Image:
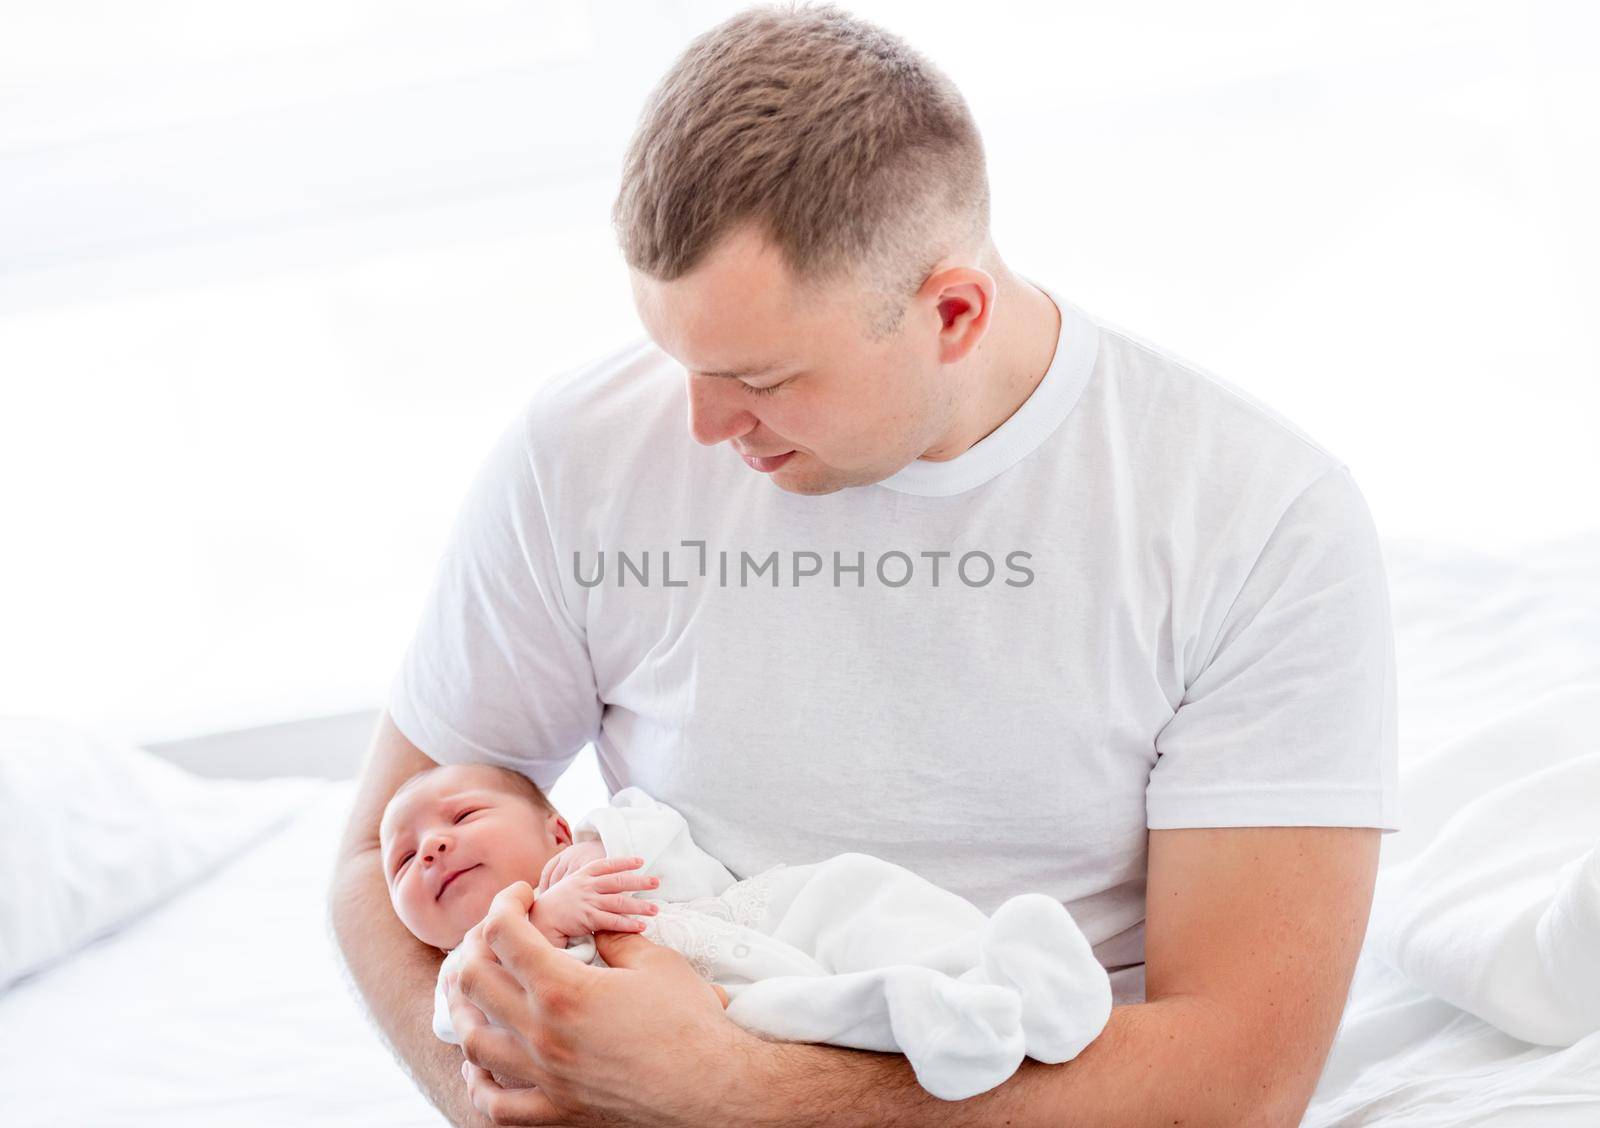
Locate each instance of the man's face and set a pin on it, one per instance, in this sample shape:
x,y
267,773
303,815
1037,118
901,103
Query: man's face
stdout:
x,y
852,411
455,838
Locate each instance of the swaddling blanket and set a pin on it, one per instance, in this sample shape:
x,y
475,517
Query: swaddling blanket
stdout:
x,y
858,952
1495,905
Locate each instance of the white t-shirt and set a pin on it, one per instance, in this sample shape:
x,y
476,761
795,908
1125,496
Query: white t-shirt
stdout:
x,y
1162,606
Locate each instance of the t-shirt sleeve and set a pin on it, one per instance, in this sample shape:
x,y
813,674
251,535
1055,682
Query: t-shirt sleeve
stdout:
x,y
1291,720
498,669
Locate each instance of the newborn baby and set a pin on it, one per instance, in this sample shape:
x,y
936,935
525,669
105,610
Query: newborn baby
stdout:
x,y
852,951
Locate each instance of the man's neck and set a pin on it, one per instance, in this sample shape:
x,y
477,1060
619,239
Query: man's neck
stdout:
x,y
1010,361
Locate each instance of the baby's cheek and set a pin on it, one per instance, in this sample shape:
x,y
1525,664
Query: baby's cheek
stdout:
x,y
419,913
471,909
415,924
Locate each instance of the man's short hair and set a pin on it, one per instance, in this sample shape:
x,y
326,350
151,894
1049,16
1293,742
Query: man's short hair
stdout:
x,y
853,154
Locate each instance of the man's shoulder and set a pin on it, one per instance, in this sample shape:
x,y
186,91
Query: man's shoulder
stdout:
x,y
1182,420
609,440
635,390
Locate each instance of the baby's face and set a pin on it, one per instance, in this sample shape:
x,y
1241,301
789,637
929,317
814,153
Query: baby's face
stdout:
x,y
456,837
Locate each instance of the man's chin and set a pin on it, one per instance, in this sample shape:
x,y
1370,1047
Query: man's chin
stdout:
x,y
807,488
815,485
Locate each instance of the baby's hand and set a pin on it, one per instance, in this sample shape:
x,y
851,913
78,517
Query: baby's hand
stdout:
x,y
592,899
568,860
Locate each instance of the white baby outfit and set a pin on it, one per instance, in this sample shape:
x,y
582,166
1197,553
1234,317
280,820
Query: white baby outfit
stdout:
x,y
855,951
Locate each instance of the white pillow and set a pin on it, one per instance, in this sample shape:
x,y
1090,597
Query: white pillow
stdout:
x,y
94,831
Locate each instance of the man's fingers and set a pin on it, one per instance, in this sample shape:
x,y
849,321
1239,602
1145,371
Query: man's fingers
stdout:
x,y
464,1017
490,988
525,951
495,1048
628,949
508,1106
515,898
499,1079
509,912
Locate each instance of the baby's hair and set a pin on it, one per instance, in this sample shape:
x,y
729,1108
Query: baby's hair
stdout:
x,y
514,781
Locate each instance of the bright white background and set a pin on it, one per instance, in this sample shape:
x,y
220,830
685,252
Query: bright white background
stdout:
x,y
272,276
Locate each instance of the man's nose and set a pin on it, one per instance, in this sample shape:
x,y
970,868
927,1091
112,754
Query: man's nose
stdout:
x,y
714,416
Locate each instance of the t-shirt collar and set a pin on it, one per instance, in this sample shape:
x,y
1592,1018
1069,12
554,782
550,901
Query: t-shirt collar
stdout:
x,y
1038,417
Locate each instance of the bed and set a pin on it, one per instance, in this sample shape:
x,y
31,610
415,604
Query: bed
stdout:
x,y
223,1001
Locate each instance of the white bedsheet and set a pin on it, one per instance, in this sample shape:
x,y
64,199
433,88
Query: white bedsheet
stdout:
x,y
1486,644
227,1005
1500,912
1408,1059
1484,932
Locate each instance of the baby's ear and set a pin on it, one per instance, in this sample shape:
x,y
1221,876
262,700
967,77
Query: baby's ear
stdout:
x,y
562,832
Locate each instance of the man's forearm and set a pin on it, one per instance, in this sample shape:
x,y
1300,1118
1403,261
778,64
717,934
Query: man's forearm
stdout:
x,y
1166,1062
396,974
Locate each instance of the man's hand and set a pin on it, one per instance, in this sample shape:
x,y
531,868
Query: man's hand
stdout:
x,y
643,1041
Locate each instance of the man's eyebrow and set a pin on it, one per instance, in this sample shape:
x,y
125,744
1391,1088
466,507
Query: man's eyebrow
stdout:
x,y
746,370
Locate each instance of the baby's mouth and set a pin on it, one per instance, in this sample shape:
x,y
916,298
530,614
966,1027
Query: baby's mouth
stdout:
x,y
451,878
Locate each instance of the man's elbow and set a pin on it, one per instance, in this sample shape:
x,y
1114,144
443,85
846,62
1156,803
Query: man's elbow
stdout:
x,y
1251,1073
1277,1076
1250,1100
1281,1108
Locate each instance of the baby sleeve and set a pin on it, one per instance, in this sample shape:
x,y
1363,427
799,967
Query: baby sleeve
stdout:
x,y
636,825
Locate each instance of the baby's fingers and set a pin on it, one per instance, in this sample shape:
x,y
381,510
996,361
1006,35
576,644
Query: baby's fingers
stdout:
x,y
625,882
611,865
611,922
548,878
621,903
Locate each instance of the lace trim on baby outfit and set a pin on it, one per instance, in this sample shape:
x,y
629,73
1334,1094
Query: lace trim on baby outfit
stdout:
x,y
707,929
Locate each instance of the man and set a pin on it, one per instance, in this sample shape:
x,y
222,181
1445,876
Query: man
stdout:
x,y
951,575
